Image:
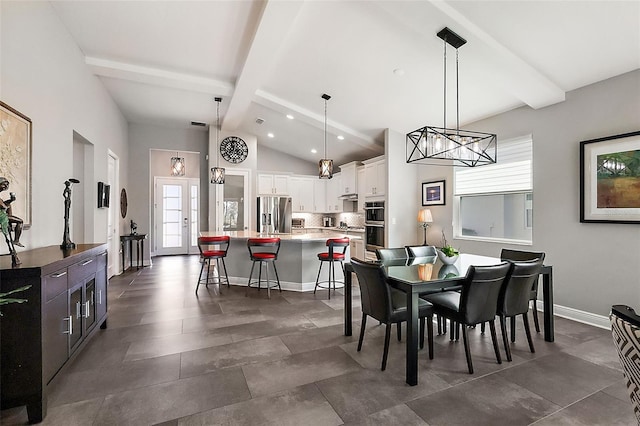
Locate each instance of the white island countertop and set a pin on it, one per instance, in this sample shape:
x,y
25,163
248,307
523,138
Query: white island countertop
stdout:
x,y
308,237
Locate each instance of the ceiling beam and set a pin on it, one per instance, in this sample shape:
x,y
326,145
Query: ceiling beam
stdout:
x,y
158,77
519,77
275,23
311,118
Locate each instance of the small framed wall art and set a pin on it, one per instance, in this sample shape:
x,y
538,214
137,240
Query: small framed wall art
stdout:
x,y
610,179
433,193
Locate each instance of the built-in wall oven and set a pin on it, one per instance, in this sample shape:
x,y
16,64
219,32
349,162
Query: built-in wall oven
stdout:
x,y
374,225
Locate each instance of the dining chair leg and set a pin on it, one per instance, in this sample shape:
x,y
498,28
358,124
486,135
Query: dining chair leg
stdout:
x,y
363,325
399,332
513,329
467,351
387,336
536,322
528,331
444,325
458,325
422,333
494,338
452,326
482,328
430,336
505,340
438,320
318,277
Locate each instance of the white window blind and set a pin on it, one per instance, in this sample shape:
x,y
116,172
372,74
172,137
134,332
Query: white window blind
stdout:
x,y
512,172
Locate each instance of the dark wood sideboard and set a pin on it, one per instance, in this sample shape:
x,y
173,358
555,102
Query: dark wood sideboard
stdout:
x,y
65,304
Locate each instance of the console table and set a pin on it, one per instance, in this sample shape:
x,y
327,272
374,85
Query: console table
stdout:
x,y
139,239
66,303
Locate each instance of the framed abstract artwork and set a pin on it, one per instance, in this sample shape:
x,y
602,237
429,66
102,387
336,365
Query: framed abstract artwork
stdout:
x,y
433,193
610,179
15,160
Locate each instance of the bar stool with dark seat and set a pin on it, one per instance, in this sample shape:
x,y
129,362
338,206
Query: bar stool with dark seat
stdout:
x,y
213,248
332,256
264,251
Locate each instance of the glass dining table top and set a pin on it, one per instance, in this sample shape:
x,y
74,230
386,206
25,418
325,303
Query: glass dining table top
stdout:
x,y
419,270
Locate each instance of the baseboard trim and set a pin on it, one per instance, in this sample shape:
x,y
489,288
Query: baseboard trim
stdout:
x,y
600,321
285,285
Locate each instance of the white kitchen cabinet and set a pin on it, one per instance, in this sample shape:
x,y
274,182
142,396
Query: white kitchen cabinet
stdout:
x,y
349,178
302,194
361,188
270,184
319,195
334,203
375,178
356,249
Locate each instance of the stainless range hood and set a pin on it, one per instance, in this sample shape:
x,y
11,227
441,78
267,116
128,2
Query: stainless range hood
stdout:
x,y
349,197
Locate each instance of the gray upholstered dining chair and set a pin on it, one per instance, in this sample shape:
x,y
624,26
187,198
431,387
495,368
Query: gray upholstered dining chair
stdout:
x,y
514,298
625,326
476,303
521,255
386,254
421,251
387,305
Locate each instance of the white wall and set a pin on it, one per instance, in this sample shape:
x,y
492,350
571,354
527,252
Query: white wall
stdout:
x,y
595,265
43,76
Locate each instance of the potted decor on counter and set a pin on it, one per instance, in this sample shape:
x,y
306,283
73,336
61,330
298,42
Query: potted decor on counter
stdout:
x,y
447,253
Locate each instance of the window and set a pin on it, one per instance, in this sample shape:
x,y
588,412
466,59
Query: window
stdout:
x,y
495,202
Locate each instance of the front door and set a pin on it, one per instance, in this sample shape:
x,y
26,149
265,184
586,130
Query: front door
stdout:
x,y
176,206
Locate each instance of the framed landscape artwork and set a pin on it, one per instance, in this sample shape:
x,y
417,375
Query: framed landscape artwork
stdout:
x,y
433,193
15,160
610,179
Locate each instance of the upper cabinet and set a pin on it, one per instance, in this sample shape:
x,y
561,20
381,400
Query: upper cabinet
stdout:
x,y
375,175
361,188
320,194
303,194
349,176
334,186
270,184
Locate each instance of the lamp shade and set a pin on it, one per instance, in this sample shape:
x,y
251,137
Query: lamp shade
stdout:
x,y
424,216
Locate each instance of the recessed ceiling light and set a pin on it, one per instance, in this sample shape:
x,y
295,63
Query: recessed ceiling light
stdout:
x,y
314,151
270,135
290,117
341,137
398,71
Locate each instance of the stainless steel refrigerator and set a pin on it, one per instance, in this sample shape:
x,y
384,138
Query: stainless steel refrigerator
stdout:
x,y
274,215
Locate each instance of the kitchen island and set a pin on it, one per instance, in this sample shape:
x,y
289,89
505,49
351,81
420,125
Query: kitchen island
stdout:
x,y
297,262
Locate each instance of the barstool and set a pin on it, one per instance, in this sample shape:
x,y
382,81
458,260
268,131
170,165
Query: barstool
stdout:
x,y
332,256
213,248
263,250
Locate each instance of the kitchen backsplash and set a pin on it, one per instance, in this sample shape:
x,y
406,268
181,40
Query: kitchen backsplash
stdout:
x,y
314,220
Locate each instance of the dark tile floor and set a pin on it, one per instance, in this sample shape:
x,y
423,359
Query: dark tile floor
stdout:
x,y
169,357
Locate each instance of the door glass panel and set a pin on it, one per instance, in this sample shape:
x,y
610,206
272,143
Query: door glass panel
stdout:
x,y
233,203
193,226
172,214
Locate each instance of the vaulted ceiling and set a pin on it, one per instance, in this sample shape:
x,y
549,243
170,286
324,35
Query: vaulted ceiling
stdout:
x,y
163,62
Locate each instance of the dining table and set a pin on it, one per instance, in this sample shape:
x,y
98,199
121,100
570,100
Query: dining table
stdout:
x,y
424,275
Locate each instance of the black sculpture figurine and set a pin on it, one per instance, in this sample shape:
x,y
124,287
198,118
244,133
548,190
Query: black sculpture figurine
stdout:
x,y
7,220
66,240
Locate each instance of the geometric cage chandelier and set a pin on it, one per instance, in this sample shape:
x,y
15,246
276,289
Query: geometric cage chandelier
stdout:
x,y
431,145
217,172
177,166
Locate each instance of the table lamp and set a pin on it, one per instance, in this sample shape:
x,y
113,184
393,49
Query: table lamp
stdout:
x,y
425,218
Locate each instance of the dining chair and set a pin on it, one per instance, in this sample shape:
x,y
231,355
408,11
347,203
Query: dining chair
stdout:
x,y
514,298
421,251
388,305
521,255
476,303
387,254
625,327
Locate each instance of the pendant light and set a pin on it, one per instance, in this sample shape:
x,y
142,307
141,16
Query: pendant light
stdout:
x,y
177,166
217,172
428,144
325,166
